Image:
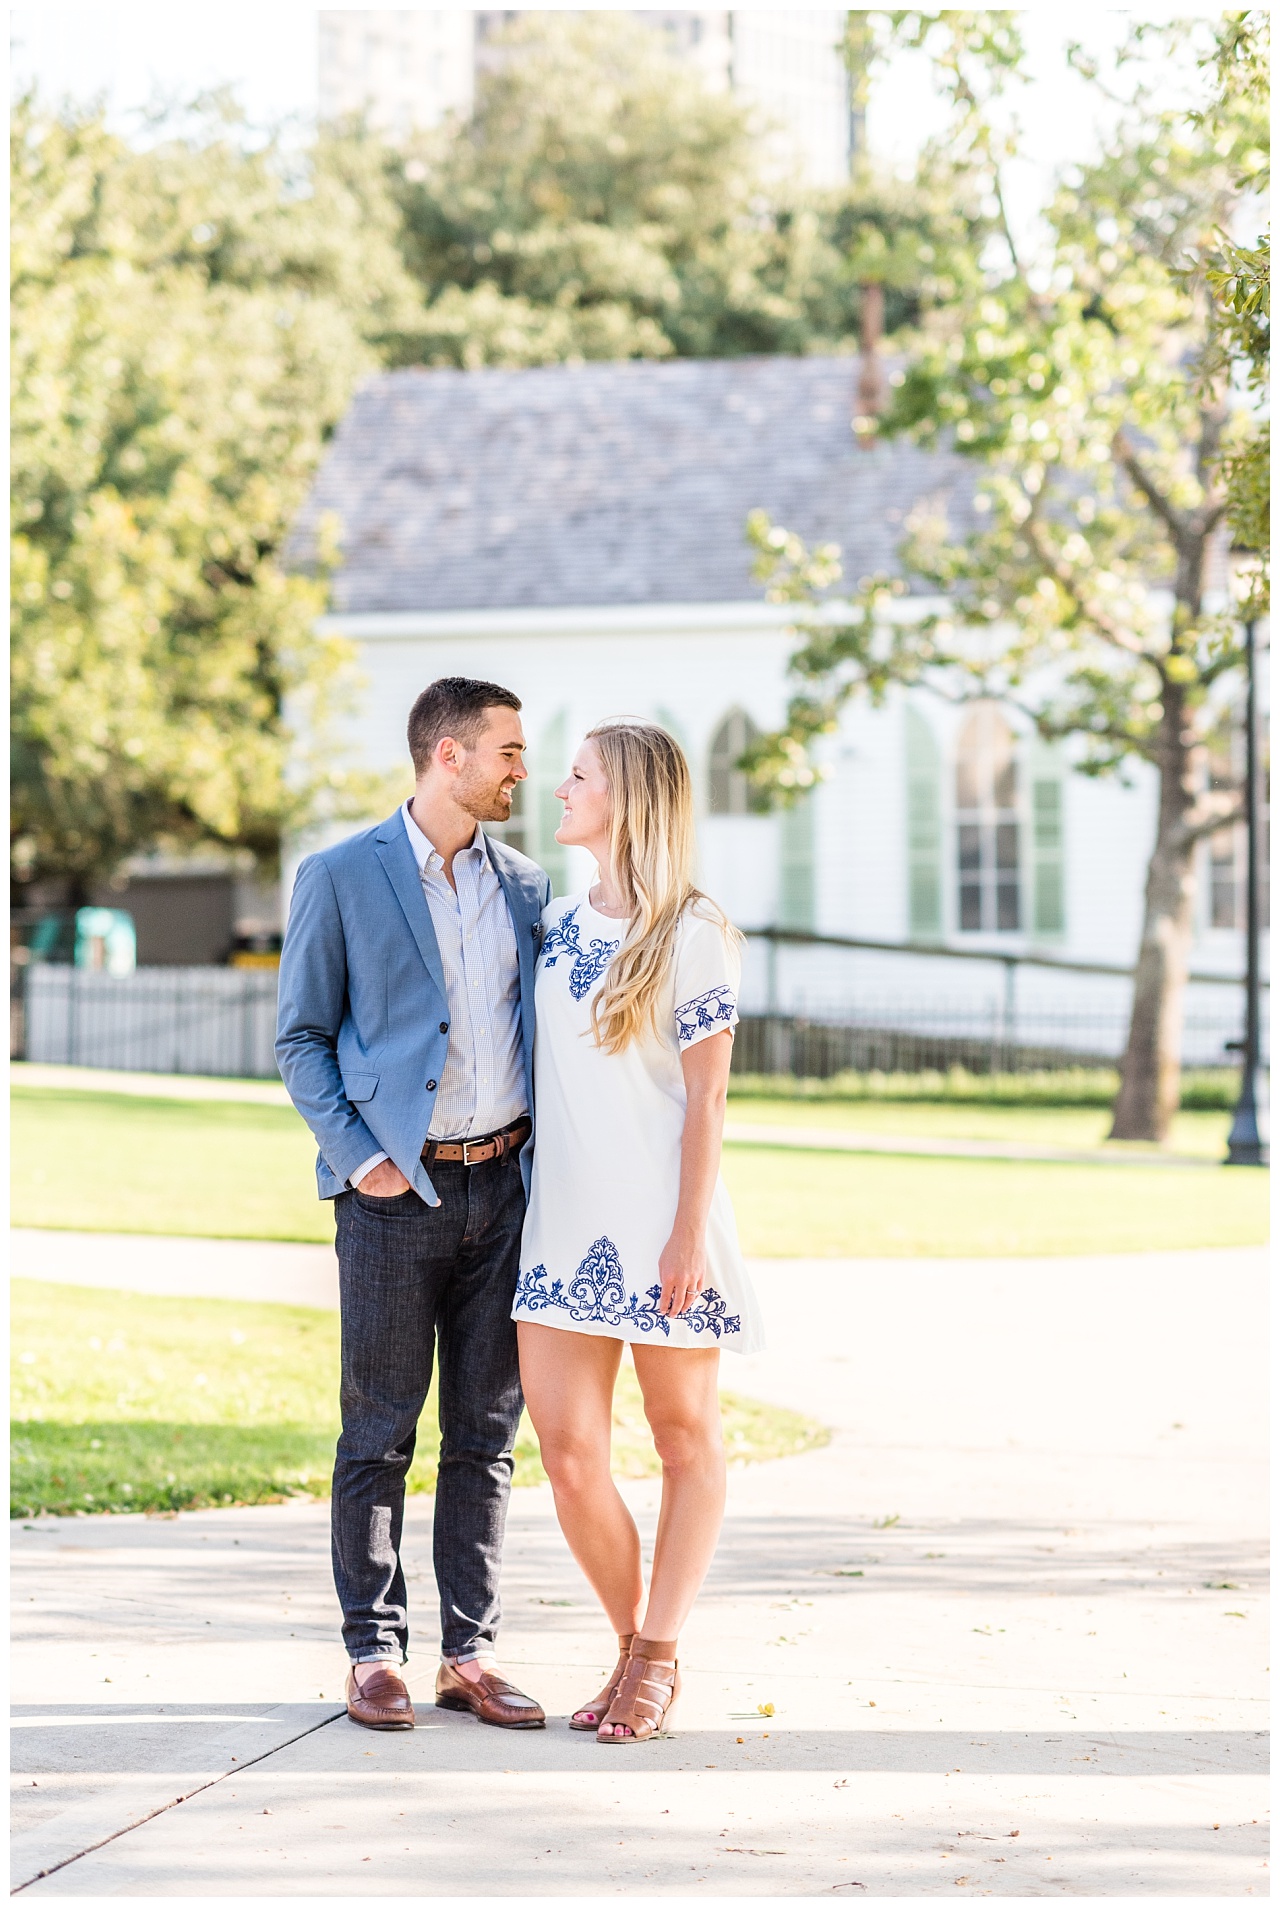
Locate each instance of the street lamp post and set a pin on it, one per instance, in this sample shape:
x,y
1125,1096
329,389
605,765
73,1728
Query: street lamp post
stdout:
x,y
1247,1142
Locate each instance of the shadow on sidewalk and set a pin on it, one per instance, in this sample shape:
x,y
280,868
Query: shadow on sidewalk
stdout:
x,y
89,1739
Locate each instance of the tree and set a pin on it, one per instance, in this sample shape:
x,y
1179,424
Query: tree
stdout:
x,y
1238,282
189,320
1088,388
602,203
191,313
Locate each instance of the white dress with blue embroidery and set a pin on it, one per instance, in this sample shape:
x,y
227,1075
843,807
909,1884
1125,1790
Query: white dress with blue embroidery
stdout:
x,y
606,1162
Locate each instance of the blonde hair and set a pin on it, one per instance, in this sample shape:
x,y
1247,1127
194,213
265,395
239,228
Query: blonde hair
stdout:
x,y
651,849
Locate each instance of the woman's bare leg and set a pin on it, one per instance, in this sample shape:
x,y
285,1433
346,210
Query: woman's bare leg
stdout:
x,y
682,1404
568,1383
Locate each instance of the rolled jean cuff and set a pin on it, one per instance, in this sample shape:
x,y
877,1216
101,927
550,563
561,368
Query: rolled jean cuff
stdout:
x,y
470,1652
381,1655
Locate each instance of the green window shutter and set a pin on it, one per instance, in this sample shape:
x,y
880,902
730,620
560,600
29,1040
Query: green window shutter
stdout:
x,y
547,772
924,829
796,905
1049,913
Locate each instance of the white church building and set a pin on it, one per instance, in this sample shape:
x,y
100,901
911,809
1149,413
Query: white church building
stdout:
x,y
577,533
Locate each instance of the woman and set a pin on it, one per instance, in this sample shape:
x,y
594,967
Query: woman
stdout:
x,y
630,1237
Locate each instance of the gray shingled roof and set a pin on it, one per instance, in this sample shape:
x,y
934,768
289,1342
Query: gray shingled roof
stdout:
x,y
605,483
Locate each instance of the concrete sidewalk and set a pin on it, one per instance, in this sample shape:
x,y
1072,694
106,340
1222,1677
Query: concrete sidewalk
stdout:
x,y
1009,1623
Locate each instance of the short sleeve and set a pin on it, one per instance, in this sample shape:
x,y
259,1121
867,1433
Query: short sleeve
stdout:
x,y
708,973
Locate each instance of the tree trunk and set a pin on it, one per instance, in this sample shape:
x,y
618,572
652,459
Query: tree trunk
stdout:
x,y
1150,1077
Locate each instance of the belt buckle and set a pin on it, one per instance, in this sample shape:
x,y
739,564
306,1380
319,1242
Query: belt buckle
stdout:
x,y
466,1151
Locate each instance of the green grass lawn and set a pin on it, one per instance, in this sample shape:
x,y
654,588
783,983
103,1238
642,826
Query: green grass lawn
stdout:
x,y
101,1162
835,1205
124,1402
215,1169
1203,1088
1197,1135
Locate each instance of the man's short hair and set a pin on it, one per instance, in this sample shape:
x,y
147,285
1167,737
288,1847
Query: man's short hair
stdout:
x,y
455,705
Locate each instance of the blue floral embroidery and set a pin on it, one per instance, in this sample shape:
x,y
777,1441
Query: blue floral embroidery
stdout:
x,y
588,962
706,1013
597,1294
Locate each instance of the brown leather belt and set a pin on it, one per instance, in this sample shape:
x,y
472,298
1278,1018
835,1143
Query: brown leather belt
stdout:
x,y
496,1145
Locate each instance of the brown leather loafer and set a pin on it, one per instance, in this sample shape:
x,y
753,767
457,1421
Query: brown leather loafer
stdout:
x,y
489,1699
381,1702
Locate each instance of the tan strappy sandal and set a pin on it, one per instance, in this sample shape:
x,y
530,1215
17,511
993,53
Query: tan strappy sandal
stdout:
x,y
646,1698
595,1711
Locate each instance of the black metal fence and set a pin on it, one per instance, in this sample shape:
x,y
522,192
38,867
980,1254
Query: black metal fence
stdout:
x,y
916,1039
213,1020
221,1021
819,1004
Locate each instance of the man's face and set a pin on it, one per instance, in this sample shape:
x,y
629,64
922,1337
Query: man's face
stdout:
x,y
490,768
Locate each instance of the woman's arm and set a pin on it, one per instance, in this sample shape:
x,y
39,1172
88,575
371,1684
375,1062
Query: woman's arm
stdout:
x,y
683,1264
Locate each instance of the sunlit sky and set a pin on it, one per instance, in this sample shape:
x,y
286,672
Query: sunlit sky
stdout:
x,y
129,53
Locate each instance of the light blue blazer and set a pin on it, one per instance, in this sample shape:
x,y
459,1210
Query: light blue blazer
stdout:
x,y
363,1025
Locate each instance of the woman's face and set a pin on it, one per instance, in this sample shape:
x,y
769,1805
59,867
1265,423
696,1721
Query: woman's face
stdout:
x,y
585,794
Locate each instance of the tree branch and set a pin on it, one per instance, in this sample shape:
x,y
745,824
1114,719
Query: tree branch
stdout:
x,y
1106,626
1224,816
1100,732
1213,417
998,188
1127,457
1210,516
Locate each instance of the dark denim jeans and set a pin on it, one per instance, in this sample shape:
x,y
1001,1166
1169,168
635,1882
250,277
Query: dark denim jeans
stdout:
x,y
412,1275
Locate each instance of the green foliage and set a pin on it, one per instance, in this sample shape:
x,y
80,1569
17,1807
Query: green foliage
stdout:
x,y
1238,281
188,323
99,1375
1085,393
601,203
192,315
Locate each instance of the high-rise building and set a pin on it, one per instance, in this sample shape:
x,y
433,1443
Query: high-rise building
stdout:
x,y
414,66
402,67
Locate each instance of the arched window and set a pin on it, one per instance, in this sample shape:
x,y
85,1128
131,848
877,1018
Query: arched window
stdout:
x,y
730,791
987,824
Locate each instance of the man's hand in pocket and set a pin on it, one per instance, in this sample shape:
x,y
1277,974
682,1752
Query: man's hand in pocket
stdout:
x,y
385,1181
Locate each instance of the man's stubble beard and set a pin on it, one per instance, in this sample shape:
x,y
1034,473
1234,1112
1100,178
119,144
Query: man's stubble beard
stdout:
x,y
477,796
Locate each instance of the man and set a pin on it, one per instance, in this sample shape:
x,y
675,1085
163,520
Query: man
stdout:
x,y
406,1042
